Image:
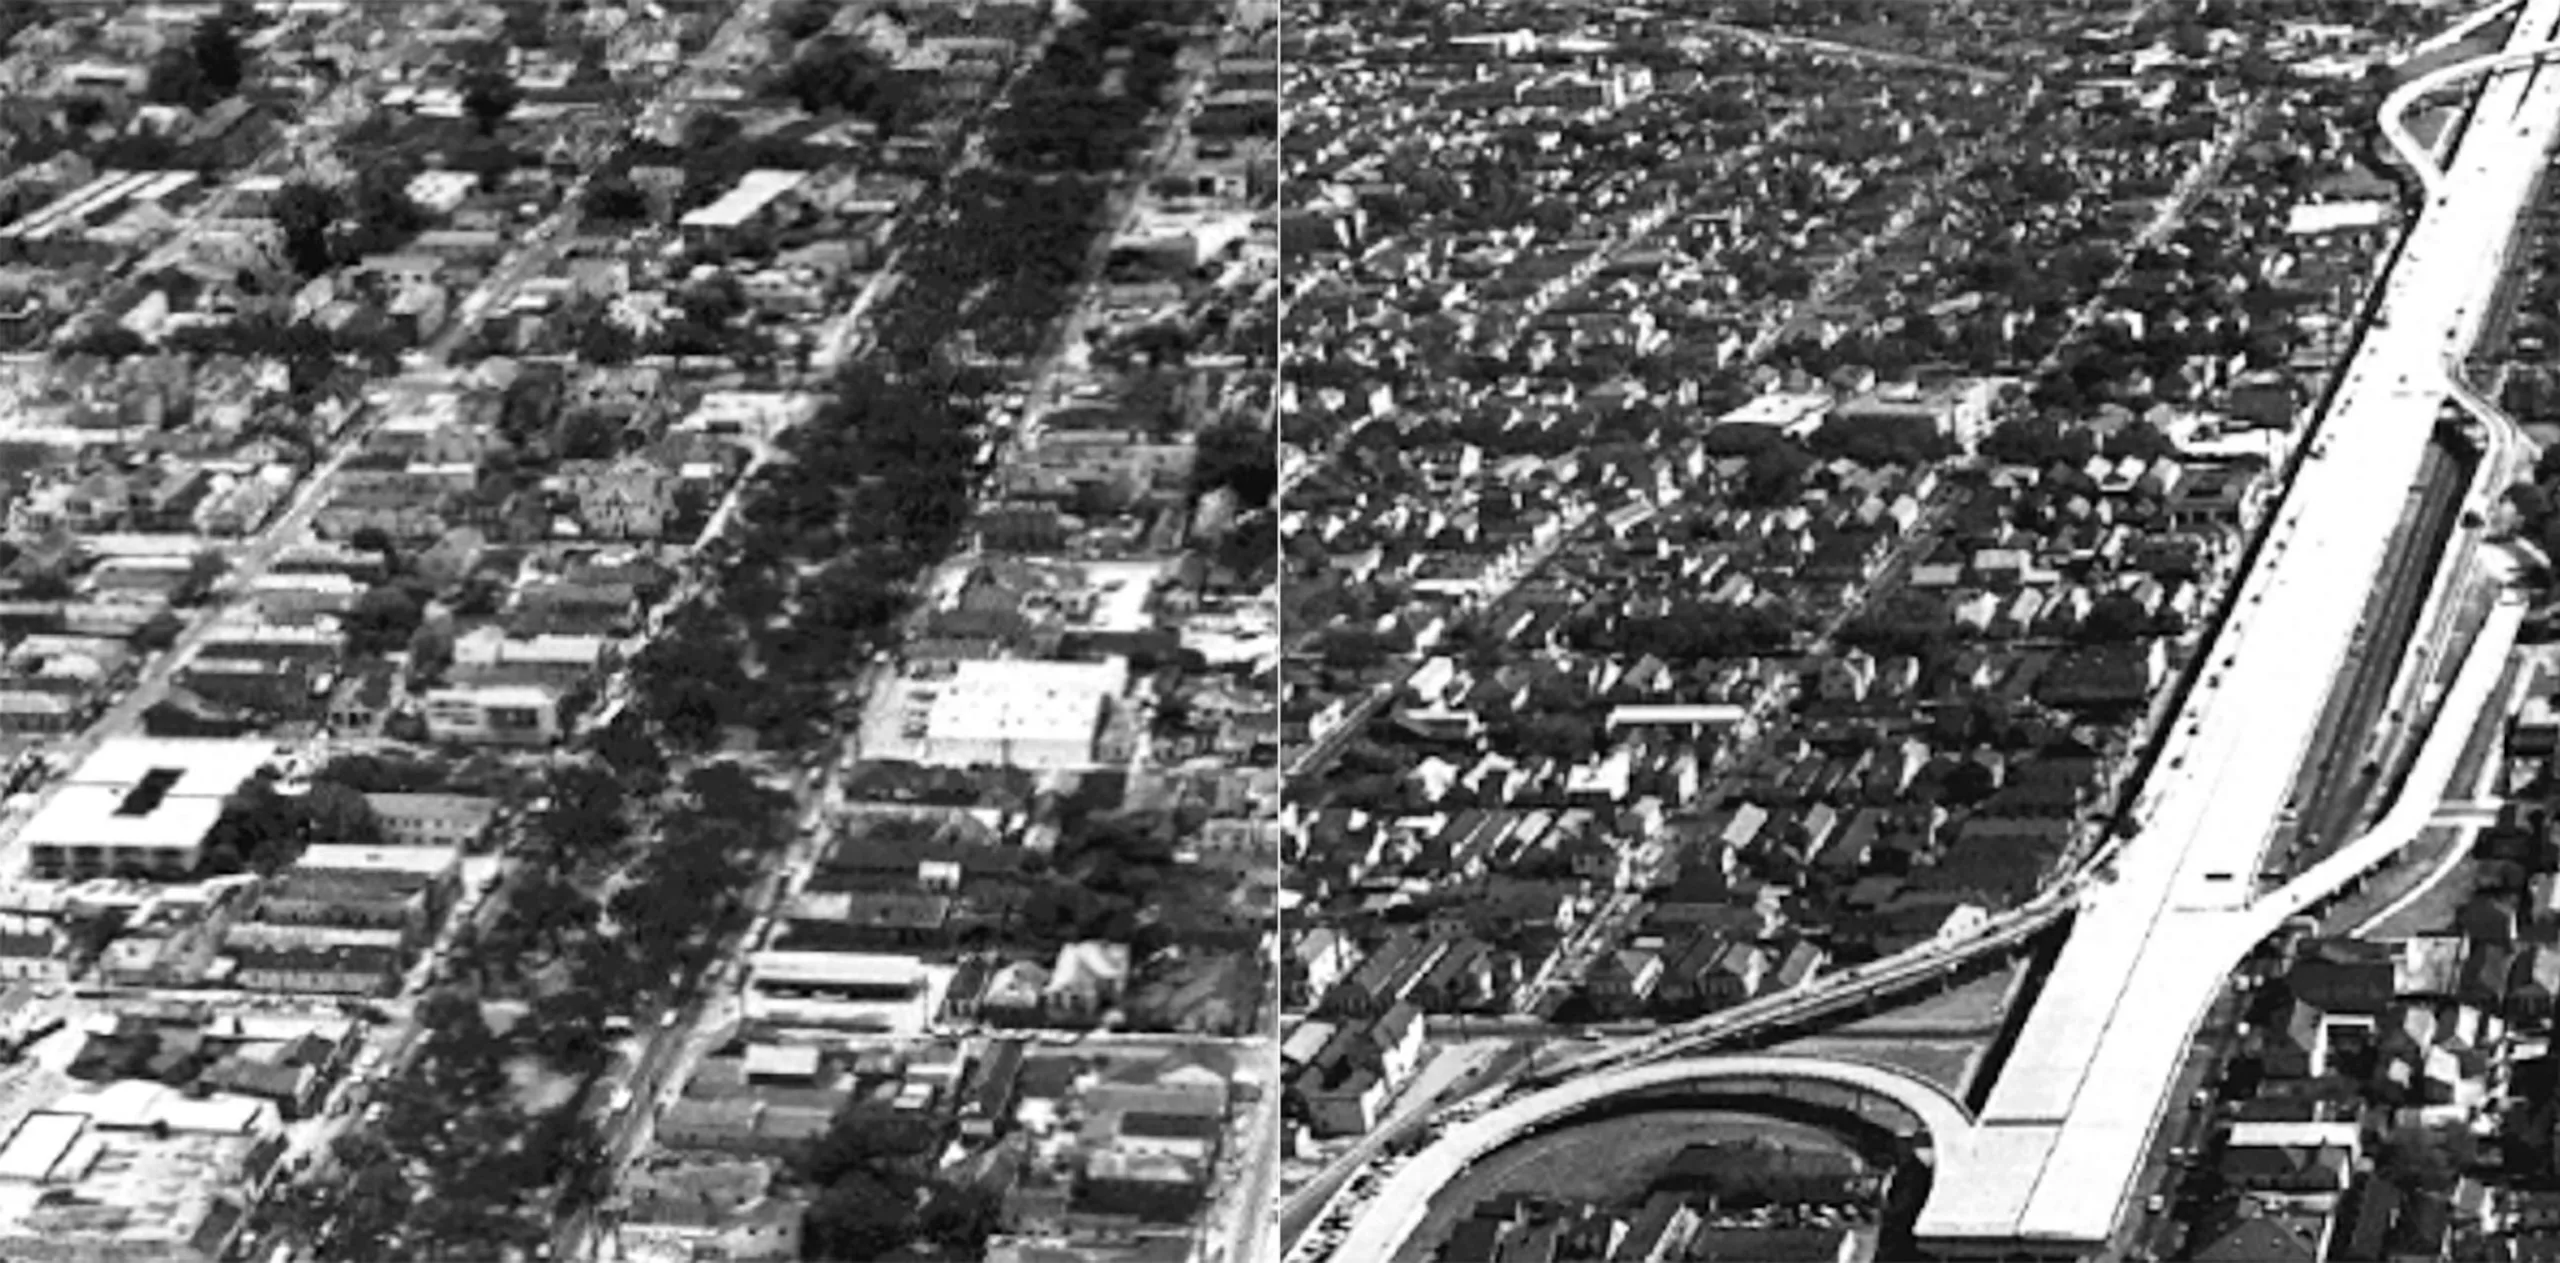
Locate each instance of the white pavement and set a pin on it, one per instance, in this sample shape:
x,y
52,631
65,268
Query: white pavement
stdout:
x,y
2066,1127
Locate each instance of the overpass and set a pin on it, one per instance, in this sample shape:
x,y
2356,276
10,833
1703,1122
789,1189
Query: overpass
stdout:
x,y
2050,1165
2065,1130
2055,1159
1945,1126
1831,994
1827,995
2506,448
1983,1165
2459,31
2532,46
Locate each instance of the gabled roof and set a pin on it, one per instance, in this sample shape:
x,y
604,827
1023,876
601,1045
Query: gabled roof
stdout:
x,y
2258,1239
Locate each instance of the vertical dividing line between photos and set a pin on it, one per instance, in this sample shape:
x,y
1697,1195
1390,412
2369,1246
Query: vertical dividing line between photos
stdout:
x,y
1268,1218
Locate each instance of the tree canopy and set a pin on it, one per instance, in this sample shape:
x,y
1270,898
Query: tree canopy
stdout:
x,y
201,72
489,95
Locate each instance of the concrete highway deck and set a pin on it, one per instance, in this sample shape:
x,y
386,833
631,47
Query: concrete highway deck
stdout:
x,y
2064,1130
2049,1168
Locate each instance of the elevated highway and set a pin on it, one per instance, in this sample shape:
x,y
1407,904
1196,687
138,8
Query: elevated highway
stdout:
x,y
2459,31
1976,1157
2053,1164
2063,1136
1943,1126
2049,1167
2411,395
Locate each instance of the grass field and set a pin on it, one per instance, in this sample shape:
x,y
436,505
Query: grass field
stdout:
x,y
2480,43
2435,909
1948,1063
1610,1160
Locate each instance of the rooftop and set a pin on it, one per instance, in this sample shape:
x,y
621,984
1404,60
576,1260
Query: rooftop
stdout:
x,y
146,793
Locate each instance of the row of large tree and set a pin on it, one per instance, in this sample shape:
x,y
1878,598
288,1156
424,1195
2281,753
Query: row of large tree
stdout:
x,y
1022,232
875,490
459,1165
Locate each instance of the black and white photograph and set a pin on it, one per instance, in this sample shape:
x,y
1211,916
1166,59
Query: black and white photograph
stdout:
x,y
1919,631
640,631
1279,631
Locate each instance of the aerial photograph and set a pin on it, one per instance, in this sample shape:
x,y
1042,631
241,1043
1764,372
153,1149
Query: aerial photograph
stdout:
x,y
1918,631
640,630
1279,631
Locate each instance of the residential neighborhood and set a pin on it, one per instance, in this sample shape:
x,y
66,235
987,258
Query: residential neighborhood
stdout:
x,y
1278,631
639,631
1760,481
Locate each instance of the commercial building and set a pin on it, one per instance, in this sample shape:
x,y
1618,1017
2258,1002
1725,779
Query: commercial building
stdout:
x,y
433,819
678,1210
1036,715
315,960
403,888
848,989
755,194
1959,410
508,715
1796,412
133,1172
140,805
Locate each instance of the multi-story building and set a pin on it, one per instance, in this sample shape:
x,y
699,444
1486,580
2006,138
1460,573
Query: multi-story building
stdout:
x,y
513,715
438,820
679,1210
140,804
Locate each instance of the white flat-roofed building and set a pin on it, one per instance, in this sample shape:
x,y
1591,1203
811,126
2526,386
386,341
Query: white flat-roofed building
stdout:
x,y
127,760
424,863
755,192
143,1105
489,655
275,936
2312,219
782,1061
141,804
1705,715
752,414
1796,412
2344,1134
42,1140
299,595
854,989
1185,238
250,637
992,713
850,973
512,714
134,1172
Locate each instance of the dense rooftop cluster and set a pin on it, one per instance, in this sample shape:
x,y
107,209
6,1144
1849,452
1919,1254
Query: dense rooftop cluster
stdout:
x,y
1752,500
696,577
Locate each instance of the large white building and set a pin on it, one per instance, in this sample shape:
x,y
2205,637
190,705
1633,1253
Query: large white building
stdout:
x,y
1038,715
140,804
852,990
756,193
